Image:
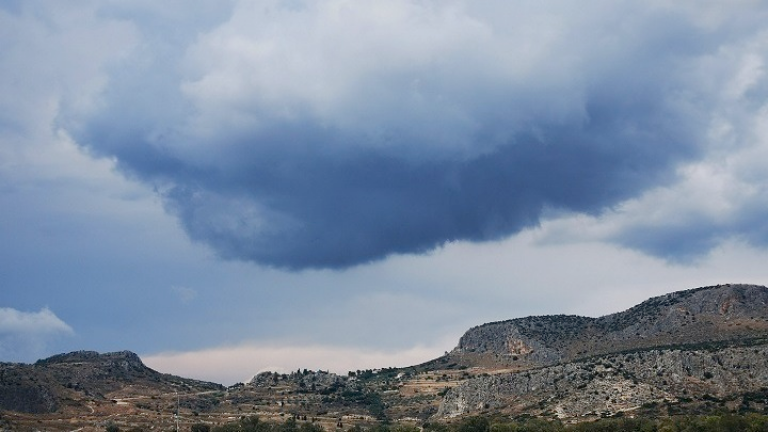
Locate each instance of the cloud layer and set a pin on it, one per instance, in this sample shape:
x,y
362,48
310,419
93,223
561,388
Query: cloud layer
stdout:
x,y
30,323
333,133
24,335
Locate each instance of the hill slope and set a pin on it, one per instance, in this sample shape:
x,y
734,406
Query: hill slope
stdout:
x,y
709,314
623,382
689,351
703,342
72,380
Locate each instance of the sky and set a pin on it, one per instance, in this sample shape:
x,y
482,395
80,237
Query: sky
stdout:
x,y
227,187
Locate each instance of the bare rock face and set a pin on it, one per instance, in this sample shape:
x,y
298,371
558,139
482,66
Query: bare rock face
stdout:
x,y
709,314
710,341
526,342
614,383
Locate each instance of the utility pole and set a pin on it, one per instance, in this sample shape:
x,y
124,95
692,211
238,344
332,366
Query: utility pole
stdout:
x,y
176,416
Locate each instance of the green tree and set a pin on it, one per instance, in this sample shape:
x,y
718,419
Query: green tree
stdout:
x,y
289,425
504,427
436,427
475,424
251,424
310,427
404,428
540,425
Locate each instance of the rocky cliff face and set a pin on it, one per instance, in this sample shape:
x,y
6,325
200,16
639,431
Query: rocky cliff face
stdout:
x,y
718,313
606,385
707,342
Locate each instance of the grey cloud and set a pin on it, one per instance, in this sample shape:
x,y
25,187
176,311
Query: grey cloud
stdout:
x,y
678,244
25,335
29,323
298,206
269,152
693,236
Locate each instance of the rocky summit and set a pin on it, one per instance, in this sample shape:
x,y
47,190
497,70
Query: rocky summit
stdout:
x,y
706,343
688,352
74,382
703,315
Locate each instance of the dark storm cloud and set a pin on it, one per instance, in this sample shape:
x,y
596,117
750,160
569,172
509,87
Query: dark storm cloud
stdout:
x,y
296,205
691,237
269,152
680,244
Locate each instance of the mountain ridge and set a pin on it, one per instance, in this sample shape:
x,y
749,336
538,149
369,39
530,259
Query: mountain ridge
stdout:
x,y
686,351
681,317
61,380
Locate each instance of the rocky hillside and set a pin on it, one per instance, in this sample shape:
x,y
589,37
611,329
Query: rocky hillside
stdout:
x,y
690,347
76,378
617,383
703,315
703,345
696,351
